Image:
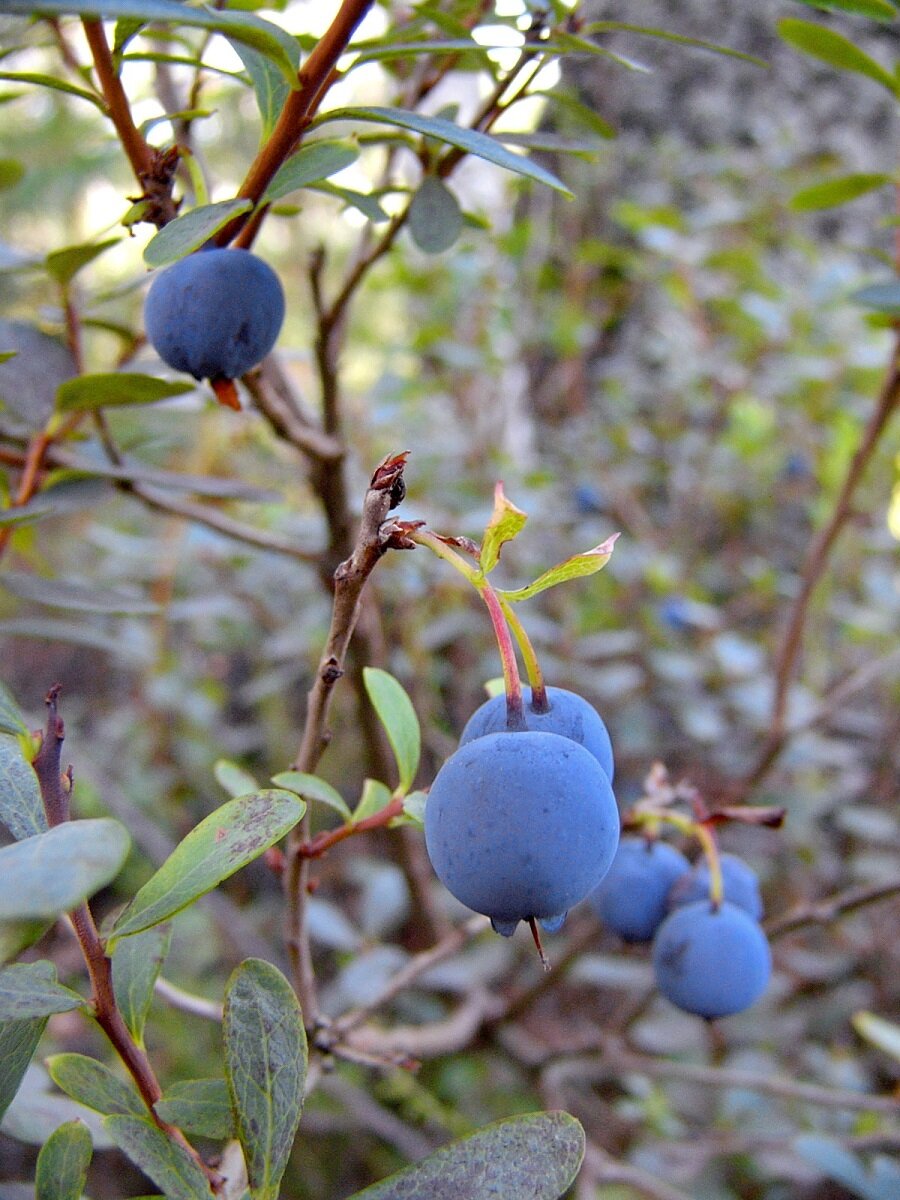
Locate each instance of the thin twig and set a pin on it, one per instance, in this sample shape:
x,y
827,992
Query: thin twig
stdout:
x,y
824,912
349,581
604,1169
197,1006
814,567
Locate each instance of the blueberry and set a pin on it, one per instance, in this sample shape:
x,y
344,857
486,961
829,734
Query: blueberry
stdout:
x,y
569,716
712,962
631,898
521,826
215,314
740,886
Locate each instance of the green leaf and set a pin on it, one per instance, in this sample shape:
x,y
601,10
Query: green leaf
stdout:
x,y
245,28
87,393
234,779
12,721
435,218
535,1156
882,297
837,191
94,1085
836,50
50,873
311,163
199,1106
63,1162
27,991
136,964
265,1064
397,715
269,85
878,1032
414,807
18,1042
22,515
16,936
65,264
573,568
581,113
666,35
846,1168
311,787
21,806
225,841
167,1163
506,523
188,233
878,10
78,597
375,796
50,81
11,172
365,202
468,140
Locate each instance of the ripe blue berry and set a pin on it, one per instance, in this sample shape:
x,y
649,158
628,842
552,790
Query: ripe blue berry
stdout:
x,y
569,716
521,825
215,314
712,962
740,886
631,898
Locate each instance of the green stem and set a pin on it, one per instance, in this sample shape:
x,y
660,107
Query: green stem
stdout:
x,y
515,706
539,700
652,817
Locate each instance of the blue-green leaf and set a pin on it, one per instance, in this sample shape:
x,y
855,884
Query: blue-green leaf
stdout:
x,y
265,1063
63,1162
311,163
833,48
188,233
21,806
28,990
435,218
166,1162
94,1085
50,873
468,140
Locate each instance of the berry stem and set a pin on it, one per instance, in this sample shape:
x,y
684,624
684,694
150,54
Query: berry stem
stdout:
x,y
707,840
515,705
651,817
539,701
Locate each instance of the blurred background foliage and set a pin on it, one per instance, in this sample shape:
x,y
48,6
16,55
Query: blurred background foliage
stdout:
x,y
675,354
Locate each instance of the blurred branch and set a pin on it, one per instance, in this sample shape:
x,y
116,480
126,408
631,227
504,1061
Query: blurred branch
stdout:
x,y
197,1006
606,1170
373,540
615,1059
823,912
814,567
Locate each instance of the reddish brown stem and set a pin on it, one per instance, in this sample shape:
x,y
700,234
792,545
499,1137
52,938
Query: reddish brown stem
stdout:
x,y
299,108
139,152
814,567
323,842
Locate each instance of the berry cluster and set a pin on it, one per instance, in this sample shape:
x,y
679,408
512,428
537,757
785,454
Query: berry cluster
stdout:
x,y
709,958
522,824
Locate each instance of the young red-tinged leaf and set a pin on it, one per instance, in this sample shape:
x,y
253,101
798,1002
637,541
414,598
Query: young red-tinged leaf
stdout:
x,y
833,48
837,191
506,523
311,787
166,1162
265,1064
313,162
188,233
397,715
65,264
87,393
94,1085
136,965
200,1106
18,1042
535,1156
229,838
21,806
63,1162
573,568
435,218
28,990
50,873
